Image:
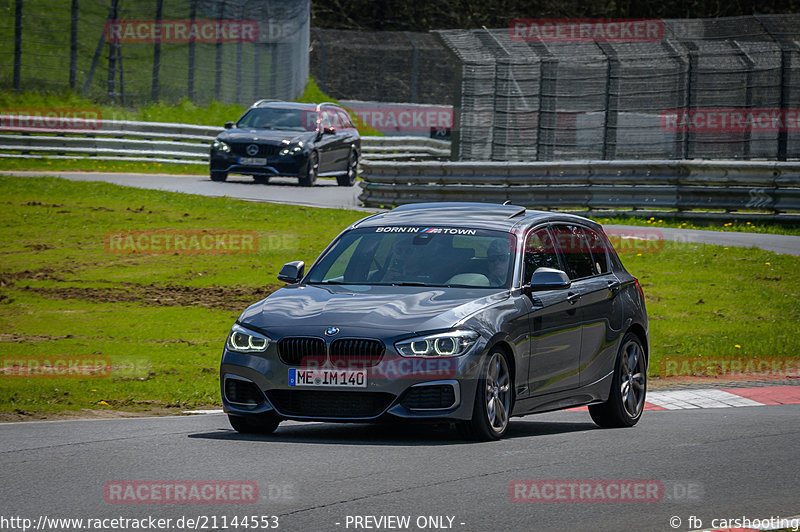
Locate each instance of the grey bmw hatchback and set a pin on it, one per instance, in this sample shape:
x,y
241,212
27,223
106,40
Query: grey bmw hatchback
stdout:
x,y
468,313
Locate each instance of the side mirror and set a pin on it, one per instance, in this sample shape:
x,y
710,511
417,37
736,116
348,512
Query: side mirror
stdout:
x,y
229,125
292,272
548,279
330,130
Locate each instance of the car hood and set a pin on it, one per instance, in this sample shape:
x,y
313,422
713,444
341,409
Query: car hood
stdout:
x,y
402,309
260,135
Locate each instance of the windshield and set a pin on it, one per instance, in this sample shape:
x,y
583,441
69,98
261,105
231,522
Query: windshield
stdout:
x,y
276,118
419,256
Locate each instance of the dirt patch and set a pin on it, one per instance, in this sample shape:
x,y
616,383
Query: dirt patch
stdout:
x,y
44,274
231,298
86,413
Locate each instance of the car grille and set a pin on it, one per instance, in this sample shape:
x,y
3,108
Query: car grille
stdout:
x,y
356,352
302,351
436,396
329,404
264,150
242,392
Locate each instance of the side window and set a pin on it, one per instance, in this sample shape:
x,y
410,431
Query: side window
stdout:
x,y
344,120
540,251
575,249
597,245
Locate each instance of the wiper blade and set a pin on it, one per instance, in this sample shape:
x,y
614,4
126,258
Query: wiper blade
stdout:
x,y
411,283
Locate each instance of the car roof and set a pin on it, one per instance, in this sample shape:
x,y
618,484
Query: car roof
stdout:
x,y
473,215
291,105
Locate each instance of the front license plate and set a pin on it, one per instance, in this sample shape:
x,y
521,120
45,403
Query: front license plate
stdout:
x,y
353,378
253,161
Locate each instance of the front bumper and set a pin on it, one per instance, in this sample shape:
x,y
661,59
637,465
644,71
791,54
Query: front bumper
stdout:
x,y
283,165
397,387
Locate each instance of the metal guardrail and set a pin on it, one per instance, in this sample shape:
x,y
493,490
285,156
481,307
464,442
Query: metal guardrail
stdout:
x,y
718,190
123,140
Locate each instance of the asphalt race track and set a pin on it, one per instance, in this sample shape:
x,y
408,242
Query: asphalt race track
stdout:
x,y
327,194
712,463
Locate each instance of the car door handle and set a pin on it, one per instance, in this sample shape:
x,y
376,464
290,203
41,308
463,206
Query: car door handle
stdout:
x,y
613,285
573,298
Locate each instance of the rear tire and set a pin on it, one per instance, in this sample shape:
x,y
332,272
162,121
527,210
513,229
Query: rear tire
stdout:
x,y
260,424
312,170
494,401
628,387
349,179
218,176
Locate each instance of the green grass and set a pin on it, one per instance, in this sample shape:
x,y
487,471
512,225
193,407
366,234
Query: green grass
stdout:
x,y
161,319
86,164
742,226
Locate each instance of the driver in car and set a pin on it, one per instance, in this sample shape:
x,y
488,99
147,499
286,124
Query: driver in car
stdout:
x,y
498,256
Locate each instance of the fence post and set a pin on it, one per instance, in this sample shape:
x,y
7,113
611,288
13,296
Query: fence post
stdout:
x,y
546,117
610,118
783,133
238,92
17,44
683,76
192,50
218,59
748,93
689,136
157,53
73,45
414,67
322,59
256,70
112,54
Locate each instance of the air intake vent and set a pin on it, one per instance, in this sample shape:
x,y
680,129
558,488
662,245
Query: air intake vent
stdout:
x,y
242,392
430,397
356,352
325,404
302,351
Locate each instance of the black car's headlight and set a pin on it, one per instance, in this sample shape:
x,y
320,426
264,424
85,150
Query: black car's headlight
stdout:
x,y
446,344
221,146
292,150
243,341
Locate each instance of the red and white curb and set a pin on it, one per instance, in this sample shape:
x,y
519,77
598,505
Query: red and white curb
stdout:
x,y
720,398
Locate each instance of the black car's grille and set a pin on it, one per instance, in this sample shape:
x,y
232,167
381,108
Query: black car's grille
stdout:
x,y
264,150
329,404
242,392
356,352
436,396
302,351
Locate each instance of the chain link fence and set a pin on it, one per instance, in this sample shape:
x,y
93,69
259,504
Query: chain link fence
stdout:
x,y
133,52
723,88
385,66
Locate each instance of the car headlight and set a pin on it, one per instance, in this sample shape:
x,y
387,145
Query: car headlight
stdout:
x,y
243,341
221,146
293,150
447,344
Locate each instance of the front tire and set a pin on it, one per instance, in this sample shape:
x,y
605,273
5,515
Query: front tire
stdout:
x,y
349,179
261,179
312,170
218,176
628,387
494,400
260,424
